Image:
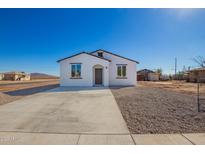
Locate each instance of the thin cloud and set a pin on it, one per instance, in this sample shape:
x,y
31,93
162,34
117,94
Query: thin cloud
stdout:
x,y
178,13
182,13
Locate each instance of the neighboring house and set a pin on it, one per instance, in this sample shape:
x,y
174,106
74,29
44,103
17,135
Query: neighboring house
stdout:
x,y
196,75
1,76
181,76
164,77
16,76
98,68
153,76
147,75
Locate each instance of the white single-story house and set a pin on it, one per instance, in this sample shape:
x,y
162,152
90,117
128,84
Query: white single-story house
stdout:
x,y
97,68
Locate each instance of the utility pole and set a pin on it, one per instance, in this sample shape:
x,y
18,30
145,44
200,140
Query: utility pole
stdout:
x,y
175,66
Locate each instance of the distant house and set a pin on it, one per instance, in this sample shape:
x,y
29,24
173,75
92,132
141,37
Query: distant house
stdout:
x,y
147,75
16,76
196,75
97,68
164,77
1,76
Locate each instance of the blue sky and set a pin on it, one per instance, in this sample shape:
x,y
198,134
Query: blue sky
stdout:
x,y
32,40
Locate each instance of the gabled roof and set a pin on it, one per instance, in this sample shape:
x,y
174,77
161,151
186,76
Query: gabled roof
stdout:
x,y
145,70
15,72
83,53
115,55
197,69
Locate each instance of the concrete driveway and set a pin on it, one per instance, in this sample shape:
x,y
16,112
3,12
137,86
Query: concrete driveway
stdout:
x,y
75,116
64,110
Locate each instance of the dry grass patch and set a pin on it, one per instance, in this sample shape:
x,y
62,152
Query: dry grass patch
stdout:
x,y
14,90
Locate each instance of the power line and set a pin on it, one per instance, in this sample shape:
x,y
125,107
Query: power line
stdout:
x,y
175,65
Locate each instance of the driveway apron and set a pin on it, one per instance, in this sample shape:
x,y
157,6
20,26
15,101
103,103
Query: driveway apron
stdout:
x,y
65,110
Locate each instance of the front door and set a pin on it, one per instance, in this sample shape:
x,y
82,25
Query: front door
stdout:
x,y
98,76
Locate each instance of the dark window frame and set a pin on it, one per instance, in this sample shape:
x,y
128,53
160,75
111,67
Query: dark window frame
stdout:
x,y
100,54
76,70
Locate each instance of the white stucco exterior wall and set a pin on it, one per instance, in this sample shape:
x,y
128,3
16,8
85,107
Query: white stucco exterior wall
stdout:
x,y
130,66
87,63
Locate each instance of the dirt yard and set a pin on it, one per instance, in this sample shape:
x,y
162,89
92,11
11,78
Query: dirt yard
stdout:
x,y
13,90
160,107
178,86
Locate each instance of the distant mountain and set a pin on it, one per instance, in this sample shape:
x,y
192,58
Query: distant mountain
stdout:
x,y
42,76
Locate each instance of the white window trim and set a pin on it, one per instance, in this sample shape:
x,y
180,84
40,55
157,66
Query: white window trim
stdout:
x,y
76,77
121,76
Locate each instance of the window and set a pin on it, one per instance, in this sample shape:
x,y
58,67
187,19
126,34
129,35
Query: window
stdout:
x,y
121,71
75,70
100,54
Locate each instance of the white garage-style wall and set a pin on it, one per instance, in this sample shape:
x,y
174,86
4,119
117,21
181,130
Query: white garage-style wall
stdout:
x,y
131,68
87,63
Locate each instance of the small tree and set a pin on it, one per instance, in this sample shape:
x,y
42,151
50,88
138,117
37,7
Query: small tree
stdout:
x,y
179,75
159,71
200,60
184,70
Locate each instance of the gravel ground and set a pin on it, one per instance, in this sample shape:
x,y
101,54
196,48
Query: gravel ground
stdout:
x,y
156,110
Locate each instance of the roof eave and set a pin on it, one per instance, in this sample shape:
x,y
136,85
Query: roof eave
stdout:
x,y
58,61
115,55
